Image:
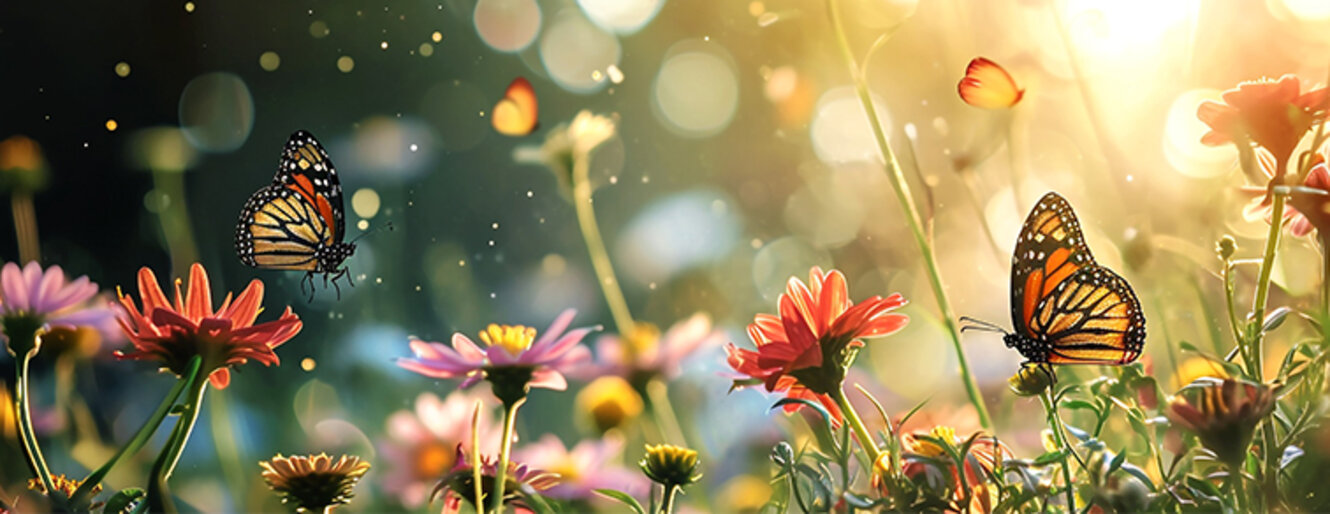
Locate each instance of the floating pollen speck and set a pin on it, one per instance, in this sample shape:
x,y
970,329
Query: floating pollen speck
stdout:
x,y
436,36
111,125
307,364
189,6
345,64
616,75
122,69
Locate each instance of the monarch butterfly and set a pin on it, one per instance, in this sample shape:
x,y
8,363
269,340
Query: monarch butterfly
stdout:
x,y
1066,308
296,223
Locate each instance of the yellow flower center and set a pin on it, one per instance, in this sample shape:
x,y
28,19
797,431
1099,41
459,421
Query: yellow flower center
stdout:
x,y
609,402
931,449
643,338
515,339
432,460
567,470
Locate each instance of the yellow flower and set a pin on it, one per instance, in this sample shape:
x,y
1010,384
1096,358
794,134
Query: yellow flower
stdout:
x,y
926,448
514,339
642,339
1031,380
1194,368
315,482
744,494
609,402
670,465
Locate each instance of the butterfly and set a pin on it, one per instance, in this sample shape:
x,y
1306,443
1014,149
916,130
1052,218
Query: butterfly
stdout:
x,y
516,113
297,222
1065,307
988,85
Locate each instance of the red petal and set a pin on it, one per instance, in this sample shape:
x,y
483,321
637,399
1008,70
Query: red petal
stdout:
x,y
988,85
150,291
220,378
198,301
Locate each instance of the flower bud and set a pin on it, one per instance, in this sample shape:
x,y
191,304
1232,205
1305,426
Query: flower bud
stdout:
x,y
670,465
1227,246
1031,380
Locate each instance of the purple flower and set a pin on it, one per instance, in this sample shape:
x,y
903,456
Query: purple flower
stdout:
x,y
32,298
586,467
513,360
644,353
421,443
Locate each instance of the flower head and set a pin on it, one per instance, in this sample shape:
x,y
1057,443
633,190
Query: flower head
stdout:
x,y
175,333
670,465
1274,114
313,482
513,359
588,466
609,402
421,443
806,350
644,353
931,452
1222,413
31,298
1312,197
572,141
1031,380
22,165
459,484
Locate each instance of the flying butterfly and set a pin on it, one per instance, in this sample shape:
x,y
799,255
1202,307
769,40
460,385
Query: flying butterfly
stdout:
x,y
297,222
988,85
517,112
1065,307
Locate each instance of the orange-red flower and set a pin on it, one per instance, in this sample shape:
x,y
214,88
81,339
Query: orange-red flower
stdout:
x,y
175,333
805,351
1307,205
925,453
988,85
1274,114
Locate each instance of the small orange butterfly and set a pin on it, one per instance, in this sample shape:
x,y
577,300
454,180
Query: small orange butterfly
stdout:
x,y
516,113
989,86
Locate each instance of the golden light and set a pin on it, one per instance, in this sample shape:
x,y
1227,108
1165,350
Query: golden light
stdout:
x,y
111,125
189,6
696,92
345,64
436,36
269,61
505,25
426,50
319,29
574,49
840,129
1182,139
307,364
621,16
365,202
122,69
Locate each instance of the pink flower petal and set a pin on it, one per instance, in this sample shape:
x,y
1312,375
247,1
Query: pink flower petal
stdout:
x,y
467,348
548,378
15,290
557,327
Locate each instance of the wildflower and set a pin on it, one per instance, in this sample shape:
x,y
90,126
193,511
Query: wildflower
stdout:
x,y
62,484
930,450
609,402
22,165
586,467
670,465
314,483
459,484
31,299
420,443
513,360
743,494
643,353
988,85
175,334
1031,380
569,142
805,351
1195,368
1226,247
1274,114
1222,413
1312,200
1295,220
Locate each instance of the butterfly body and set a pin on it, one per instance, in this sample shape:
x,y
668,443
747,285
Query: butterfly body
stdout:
x,y
297,221
1065,307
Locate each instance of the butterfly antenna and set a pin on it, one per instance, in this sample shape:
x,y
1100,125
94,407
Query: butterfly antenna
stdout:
x,y
969,323
386,226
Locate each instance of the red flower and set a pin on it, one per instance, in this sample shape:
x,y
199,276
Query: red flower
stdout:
x,y
174,334
1273,114
1307,207
805,351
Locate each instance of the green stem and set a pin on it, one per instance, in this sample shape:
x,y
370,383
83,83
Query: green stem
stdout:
x,y
866,440
224,443
667,507
141,437
1325,279
595,245
911,212
1055,424
1235,483
477,475
1263,285
32,451
663,410
175,220
185,425
25,226
505,447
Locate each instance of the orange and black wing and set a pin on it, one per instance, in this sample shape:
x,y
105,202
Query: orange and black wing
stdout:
x,y
283,225
1050,250
1092,317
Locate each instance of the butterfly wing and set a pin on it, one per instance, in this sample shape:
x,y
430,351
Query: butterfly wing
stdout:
x,y
1093,317
988,85
283,225
1049,250
517,113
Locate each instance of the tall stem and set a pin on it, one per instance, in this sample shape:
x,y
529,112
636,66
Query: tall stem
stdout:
x,y
32,451
1263,284
1325,279
25,226
1055,425
866,440
185,425
505,447
595,245
175,219
911,212
667,507
663,410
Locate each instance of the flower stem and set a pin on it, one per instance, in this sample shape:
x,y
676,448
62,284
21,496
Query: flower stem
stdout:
x,y
25,226
667,507
866,440
159,495
175,219
31,449
476,463
505,447
595,245
1325,279
663,410
1235,483
145,432
1055,425
1263,287
906,201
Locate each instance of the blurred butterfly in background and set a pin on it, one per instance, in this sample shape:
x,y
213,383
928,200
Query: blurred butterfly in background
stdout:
x,y
516,113
988,85
1066,308
297,222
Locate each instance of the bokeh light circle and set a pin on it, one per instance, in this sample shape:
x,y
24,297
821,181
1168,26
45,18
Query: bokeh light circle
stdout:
x,y
777,261
216,112
677,233
828,210
365,202
621,16
1182,139
576,52
122,69
697,89
507,25
840,129
269,61
381,148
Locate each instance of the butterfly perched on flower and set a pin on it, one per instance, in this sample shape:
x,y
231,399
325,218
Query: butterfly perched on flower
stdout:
x,y
297,222
1065,307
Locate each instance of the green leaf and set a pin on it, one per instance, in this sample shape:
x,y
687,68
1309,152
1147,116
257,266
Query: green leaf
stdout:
x,y
124,500
1275,319
623,498
537,503
1139,473
1117,461
1138,426
1049,458
1079,404
826,416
